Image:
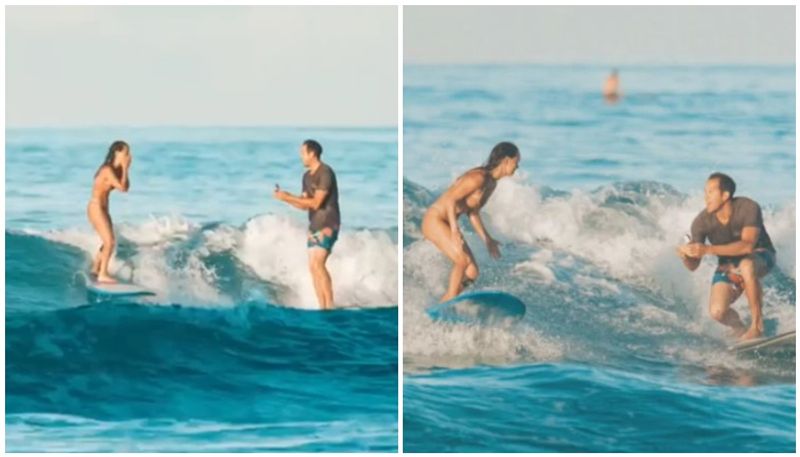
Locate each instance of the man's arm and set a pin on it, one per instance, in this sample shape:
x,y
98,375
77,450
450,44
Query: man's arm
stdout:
x,y
745,246
690,253
690,263
303,203
751,229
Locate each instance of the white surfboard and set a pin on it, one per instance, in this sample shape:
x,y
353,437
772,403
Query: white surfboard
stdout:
x,y
781,341
117,290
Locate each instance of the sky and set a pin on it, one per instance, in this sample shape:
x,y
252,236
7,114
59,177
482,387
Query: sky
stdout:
x,y
195,66
599,35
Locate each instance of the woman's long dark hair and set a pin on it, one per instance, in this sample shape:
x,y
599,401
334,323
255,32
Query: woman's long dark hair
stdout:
x,y
499,152
112,152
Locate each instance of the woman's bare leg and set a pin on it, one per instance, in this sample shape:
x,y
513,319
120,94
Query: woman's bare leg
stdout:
x,y
438,232
102,224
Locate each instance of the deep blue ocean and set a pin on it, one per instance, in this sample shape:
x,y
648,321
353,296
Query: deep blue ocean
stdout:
x,y
231,354
616,352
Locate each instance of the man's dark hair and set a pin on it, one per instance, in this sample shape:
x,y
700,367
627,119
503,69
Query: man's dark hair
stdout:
x,y
726,183
314,147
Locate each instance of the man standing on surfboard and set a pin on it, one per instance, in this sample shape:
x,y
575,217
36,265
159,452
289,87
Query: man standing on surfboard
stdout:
x,y
735,229
320,198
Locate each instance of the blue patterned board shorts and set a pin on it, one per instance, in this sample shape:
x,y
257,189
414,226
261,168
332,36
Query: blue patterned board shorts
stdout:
x,y
768,257
320,239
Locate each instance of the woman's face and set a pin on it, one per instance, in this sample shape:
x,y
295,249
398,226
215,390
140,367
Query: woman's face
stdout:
x,y
510,165
121,156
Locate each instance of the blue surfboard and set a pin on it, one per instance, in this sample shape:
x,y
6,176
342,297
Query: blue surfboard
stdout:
x,y
116,290
480,307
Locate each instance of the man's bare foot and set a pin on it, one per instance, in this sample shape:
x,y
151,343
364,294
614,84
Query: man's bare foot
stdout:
x,y
751,333
106,279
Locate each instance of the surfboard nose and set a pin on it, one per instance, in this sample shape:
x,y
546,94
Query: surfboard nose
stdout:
x,y
479,307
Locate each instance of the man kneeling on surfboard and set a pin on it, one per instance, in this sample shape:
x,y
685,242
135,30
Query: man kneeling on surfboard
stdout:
x,y
320,198
735,229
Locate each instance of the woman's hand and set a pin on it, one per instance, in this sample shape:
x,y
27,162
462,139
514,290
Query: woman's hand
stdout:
x,y
126,161
493,247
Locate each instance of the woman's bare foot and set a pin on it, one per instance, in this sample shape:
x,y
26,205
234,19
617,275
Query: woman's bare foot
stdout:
x,y
751,333
738,331
95,265
105,279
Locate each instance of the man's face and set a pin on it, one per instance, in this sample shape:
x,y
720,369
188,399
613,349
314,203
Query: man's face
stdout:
x,y
714,196
305,155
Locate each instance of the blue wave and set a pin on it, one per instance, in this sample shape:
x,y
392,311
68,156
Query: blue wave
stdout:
x,y
614,354
266,377
578,408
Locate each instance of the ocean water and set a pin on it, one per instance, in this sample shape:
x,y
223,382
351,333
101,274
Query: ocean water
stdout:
x,y
231,354
616,352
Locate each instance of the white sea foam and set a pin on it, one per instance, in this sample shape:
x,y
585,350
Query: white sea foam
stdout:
x,y
171,258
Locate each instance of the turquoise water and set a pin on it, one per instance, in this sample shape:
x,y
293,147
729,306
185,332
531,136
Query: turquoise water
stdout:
x,y
616,352
209,364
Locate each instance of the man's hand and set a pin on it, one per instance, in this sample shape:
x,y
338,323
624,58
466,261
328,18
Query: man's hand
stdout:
x,y
693,250
280,195
493,247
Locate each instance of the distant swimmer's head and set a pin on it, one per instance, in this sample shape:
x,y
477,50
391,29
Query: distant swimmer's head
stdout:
x,y
719,190
504,159
611,87
310,151
117,153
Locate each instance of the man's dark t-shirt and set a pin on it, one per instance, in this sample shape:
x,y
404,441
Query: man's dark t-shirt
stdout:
x,y
745,213
328,214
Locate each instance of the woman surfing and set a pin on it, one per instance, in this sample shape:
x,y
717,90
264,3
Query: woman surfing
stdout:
x,y
112,174
467,195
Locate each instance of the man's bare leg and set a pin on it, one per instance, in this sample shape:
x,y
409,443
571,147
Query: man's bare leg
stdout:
x,y
320,277
723,295
752,269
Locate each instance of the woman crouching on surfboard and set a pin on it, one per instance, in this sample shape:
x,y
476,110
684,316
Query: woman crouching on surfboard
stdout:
x,y
112,174
467,195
